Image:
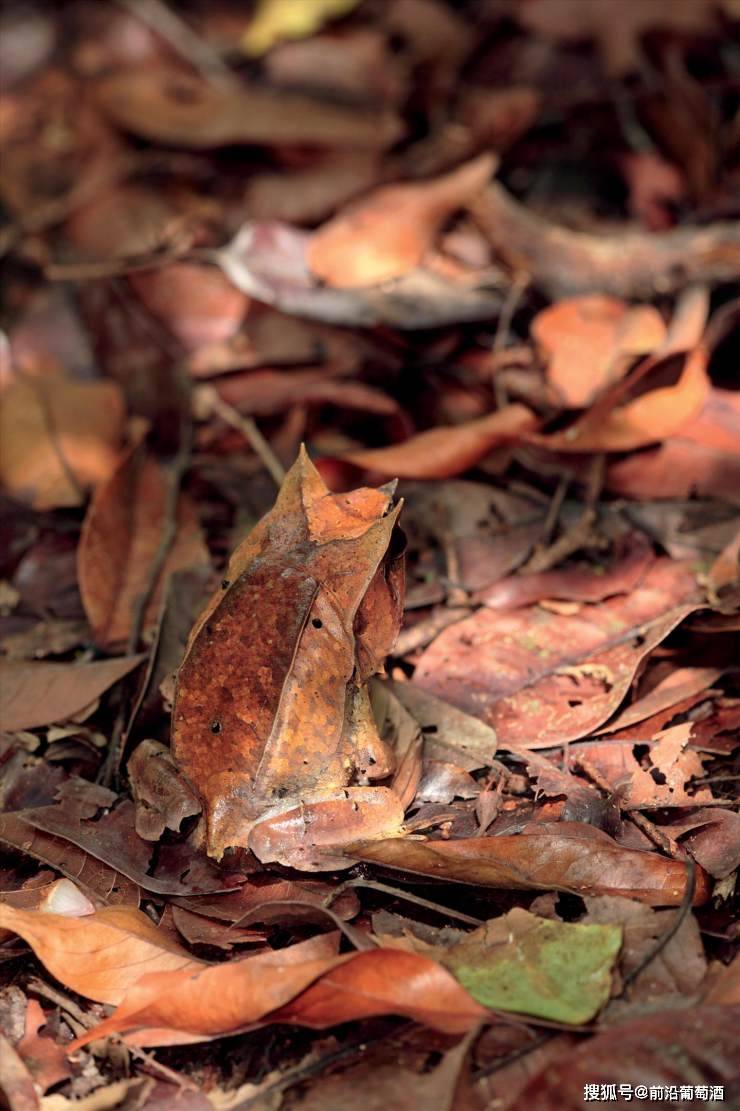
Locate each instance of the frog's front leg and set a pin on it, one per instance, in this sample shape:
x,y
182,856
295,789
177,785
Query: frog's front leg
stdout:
x,y
310,834
371,758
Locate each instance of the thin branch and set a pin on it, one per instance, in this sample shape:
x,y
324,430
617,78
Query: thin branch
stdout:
x,y
184,40
676,923
398,893
249,430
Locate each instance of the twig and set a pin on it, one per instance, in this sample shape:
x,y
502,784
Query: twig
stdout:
x,y
249,430
424,631
630,265
653,832
398,893
675,926
184,40
495,1066
77,1018
582,533
517,289
302,1072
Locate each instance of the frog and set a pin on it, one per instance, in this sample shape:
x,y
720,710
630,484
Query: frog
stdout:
x,y
272,722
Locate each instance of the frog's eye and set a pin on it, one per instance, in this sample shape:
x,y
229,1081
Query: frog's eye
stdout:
x,y
215,727
317,623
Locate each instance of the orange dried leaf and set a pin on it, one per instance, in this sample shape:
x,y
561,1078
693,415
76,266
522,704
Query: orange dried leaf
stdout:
x,y
444,452
387,233
58,438
306,984
588,342
102,955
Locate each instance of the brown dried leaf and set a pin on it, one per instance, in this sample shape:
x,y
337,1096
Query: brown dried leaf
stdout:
x,y
542,678
59,437
101,883
565,856
121,536
177,108
36,694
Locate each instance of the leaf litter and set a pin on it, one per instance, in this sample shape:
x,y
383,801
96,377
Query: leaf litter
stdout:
x,y
321,247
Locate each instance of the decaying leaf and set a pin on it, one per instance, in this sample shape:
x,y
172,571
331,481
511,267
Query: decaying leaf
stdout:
x,y
519,962
35,694
542,678
566,856
272,719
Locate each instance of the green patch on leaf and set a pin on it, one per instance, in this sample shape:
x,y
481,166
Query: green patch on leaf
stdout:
x,y
535,966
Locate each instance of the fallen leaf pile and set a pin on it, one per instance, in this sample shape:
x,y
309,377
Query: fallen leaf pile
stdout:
x,y
369,561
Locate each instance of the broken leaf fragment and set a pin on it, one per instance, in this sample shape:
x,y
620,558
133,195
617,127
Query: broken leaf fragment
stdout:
x,y
534,966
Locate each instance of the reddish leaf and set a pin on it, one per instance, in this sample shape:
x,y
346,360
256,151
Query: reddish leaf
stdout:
x,y
304,984
566,856
678,685
35,694
669,1048
542,678
703,458
587,583
387,233
121,536
654,416
589,341
444,452
663,783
